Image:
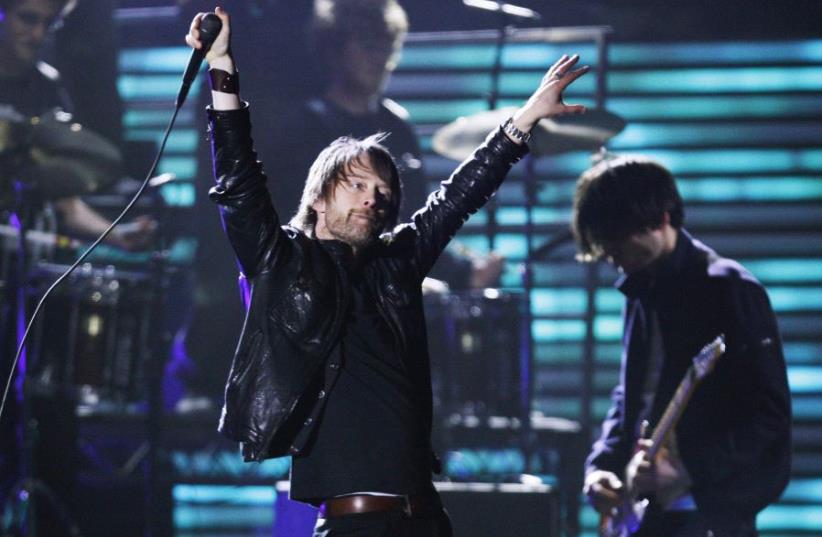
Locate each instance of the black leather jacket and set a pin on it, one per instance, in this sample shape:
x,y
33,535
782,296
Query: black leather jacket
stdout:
x,y
297,297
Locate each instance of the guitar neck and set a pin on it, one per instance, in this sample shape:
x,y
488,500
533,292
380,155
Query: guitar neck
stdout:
x,y
673,411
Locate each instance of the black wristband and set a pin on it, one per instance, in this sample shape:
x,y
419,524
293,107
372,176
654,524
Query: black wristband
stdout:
x,y
223,81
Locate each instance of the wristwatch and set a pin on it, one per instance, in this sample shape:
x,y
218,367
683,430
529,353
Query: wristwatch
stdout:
x,y
514,132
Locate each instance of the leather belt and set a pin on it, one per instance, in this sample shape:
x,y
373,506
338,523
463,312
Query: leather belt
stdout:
x,y
413,506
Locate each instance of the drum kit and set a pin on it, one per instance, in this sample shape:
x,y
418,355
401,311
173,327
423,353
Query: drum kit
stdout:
x,y
478,338
92,339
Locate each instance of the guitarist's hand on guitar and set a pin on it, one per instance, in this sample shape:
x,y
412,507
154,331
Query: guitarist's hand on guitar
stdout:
x,y
666,476
603,489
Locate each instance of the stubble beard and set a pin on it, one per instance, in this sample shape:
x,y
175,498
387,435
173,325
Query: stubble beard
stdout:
x,y
352,230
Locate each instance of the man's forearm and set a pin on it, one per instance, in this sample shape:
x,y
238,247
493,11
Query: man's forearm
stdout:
x,y
219,99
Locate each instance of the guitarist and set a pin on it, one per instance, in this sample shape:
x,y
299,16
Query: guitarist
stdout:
x,y
730,454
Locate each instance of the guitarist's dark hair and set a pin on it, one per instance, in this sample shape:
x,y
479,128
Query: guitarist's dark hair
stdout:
x,y
619,197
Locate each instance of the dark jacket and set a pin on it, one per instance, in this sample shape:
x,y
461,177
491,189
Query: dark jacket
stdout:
x,y
735,434
297,299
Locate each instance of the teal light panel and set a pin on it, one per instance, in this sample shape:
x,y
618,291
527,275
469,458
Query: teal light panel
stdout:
x,y
248,495
805,379
443,111
564,407
442,84
558,301
473,464
557,353
236,517
473,84
545,216
178,194
731,189
608,327
240,509
794,270
447,57
544,330
134,118
154,60
803,518
807,408
539,56
210,464
512,216
511,245
743,161
476,243
714,107
523,83
185,167
791,299
716,134
609,300
802,352
153,87
744,53
808,490
573,301
719,80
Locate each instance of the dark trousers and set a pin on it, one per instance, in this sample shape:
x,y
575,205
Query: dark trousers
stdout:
x,y
689,524
384,524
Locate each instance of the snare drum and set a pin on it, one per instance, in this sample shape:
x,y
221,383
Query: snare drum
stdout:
x,y
477,349
93,337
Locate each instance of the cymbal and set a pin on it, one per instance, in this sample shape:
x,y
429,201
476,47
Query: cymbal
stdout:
x,y
577,132
60,158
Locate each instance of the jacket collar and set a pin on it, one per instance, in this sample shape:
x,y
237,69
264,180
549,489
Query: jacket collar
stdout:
x,y
668,270
343,254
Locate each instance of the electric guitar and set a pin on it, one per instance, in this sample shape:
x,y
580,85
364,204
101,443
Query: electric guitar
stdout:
x,y
625,519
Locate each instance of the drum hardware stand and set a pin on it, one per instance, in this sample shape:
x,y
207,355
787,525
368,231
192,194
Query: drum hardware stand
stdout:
x,y
527,358
158,351
493,97
22,502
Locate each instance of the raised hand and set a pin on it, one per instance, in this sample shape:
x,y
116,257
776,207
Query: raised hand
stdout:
x,y
220,53
547,100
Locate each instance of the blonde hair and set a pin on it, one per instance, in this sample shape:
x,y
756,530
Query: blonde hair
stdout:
x,y
334,164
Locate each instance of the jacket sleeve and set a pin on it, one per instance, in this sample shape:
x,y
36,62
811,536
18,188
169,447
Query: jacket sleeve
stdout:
x,y
249,219
745,464
612,449
460,196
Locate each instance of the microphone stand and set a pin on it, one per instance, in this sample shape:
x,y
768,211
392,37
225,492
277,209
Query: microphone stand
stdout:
x,y
506,13
493,98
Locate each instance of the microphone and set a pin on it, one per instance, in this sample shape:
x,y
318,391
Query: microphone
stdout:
x,y
210,27
511,10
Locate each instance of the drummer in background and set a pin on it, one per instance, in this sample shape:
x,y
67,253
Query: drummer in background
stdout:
x,y
356,46
32,87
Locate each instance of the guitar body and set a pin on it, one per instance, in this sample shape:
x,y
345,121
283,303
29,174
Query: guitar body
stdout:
x,y
625,519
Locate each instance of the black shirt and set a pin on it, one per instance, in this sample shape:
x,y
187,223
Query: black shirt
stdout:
x,y
36,92
372,436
